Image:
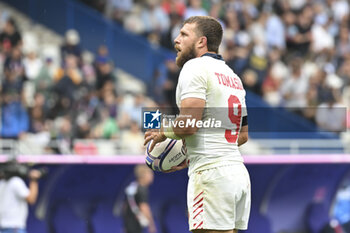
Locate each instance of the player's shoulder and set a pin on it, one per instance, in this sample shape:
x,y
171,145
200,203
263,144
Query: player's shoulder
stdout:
x,y
206,59
194,62
198,65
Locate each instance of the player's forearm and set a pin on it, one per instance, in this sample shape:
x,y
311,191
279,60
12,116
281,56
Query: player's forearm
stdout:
x,y
191,112
180,128
242,140
33,192
146,210
187,128
243,135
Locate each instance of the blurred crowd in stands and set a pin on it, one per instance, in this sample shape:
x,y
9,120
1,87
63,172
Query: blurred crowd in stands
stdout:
x,y
47,105
292,53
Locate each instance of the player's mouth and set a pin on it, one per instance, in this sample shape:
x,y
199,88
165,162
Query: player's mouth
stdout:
x,y
178,52
177,49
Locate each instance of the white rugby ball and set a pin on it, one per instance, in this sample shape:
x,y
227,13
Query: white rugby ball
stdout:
x,y
165,154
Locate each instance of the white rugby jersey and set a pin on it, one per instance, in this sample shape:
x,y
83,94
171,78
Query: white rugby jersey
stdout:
x,y
211,79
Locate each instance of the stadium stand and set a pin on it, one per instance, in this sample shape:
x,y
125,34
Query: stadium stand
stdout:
x,y
122,50
50,139
135,65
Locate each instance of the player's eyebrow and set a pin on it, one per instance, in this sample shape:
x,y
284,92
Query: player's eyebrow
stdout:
x,y
182,32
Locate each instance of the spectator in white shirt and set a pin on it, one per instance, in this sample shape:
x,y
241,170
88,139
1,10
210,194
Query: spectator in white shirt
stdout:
x,y
14,199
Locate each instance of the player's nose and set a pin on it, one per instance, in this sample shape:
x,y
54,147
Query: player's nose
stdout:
x,y
176,40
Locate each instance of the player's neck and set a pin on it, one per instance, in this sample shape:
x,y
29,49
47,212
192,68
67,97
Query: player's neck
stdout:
x,y
204,51
143,183
201,51
213,55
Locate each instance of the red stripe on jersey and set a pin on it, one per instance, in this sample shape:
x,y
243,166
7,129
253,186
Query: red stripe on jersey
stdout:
x,y
198,202
200,224
200,206
198,196
198,213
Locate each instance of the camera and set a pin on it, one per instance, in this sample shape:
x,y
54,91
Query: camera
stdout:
x,y
12,168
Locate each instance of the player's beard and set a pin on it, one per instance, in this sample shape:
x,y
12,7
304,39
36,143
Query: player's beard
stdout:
x,y
185,55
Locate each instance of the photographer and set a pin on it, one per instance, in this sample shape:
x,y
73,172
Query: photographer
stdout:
x,y
14,196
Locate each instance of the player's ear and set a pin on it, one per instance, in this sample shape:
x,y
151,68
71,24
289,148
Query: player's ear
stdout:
x,y
202,42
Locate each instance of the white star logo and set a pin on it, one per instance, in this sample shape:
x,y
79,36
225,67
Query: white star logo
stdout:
x,y
156,115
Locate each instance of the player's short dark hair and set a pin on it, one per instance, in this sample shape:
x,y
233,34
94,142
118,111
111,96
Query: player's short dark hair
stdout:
x,y
210,28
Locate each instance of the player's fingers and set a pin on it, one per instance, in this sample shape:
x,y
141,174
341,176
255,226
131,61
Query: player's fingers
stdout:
x,y
153,143
147,139
174,169
169,171
179,167
156,139
147,133
150,132
183,164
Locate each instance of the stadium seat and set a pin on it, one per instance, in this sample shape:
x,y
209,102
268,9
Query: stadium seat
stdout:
x,y
106,147
85,148
30,42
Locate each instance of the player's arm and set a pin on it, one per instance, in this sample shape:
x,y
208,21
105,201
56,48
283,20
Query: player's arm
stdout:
x,y
193,85
243,135
146,211
191,109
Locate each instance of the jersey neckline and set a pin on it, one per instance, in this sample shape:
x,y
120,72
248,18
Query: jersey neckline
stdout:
x,y
213,55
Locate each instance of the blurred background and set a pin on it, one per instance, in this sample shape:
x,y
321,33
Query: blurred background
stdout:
x,y
75,75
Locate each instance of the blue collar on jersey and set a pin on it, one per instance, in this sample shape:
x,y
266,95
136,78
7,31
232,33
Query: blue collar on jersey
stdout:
x,y
213,55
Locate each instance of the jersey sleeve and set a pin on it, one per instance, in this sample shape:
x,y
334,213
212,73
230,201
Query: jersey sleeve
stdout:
x,y
142,194
192,81
20,188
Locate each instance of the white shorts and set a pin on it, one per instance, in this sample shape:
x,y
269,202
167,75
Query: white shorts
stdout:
x,y
219,198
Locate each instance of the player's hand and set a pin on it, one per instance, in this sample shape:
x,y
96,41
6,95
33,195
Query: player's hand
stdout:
x,y
155,135
179,167
34,174
152,228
